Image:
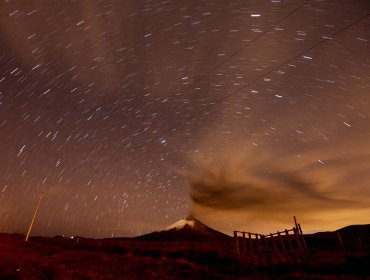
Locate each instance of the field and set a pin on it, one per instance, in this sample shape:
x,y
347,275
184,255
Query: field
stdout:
x,y
81,258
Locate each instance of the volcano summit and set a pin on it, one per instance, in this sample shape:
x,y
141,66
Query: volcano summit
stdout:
x,y
189,229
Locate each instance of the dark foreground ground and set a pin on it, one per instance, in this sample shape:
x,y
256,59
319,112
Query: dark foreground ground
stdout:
x,y
80,258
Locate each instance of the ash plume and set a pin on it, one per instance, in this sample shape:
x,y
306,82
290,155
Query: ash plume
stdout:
x,y
223,189
261,190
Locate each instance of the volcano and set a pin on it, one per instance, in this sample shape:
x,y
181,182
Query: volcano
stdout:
x,y
189,229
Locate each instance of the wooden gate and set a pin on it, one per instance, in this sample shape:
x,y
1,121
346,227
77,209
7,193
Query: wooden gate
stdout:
x,y
285,247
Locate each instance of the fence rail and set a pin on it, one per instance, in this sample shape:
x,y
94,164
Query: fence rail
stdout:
x,y
282,247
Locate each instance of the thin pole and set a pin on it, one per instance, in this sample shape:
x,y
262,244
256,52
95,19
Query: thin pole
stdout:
x,y
341,242
34,216
300,233
296,233
360,243
295,222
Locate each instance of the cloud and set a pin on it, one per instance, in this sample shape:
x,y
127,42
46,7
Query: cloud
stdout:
x,y
267,190
263,193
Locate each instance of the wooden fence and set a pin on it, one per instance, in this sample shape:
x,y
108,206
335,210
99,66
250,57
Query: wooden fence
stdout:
x,y
339,241
279,248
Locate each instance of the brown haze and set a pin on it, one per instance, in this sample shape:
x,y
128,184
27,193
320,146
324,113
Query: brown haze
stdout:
x,y
268,115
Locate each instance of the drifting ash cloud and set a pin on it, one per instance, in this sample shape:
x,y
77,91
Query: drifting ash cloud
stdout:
x,y
261,191
264,190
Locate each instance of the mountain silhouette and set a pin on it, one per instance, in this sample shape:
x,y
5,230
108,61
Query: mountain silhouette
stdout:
x,y
189,229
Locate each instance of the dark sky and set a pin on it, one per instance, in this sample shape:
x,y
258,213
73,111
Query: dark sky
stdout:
x,y
130,115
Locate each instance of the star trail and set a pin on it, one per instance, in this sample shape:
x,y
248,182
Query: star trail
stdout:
x,y
130,115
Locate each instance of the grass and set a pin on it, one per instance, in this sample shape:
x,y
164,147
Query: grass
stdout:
x,y
64,258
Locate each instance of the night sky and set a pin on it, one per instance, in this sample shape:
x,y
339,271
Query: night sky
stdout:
x,y
131,114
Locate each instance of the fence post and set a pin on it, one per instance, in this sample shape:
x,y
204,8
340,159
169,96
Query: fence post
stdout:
x,y
282,243
303,240
291,248
244,243
360,243
237,249
251,251
296,233
267,252
341,243
295,222
259,247
275,248
289,240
